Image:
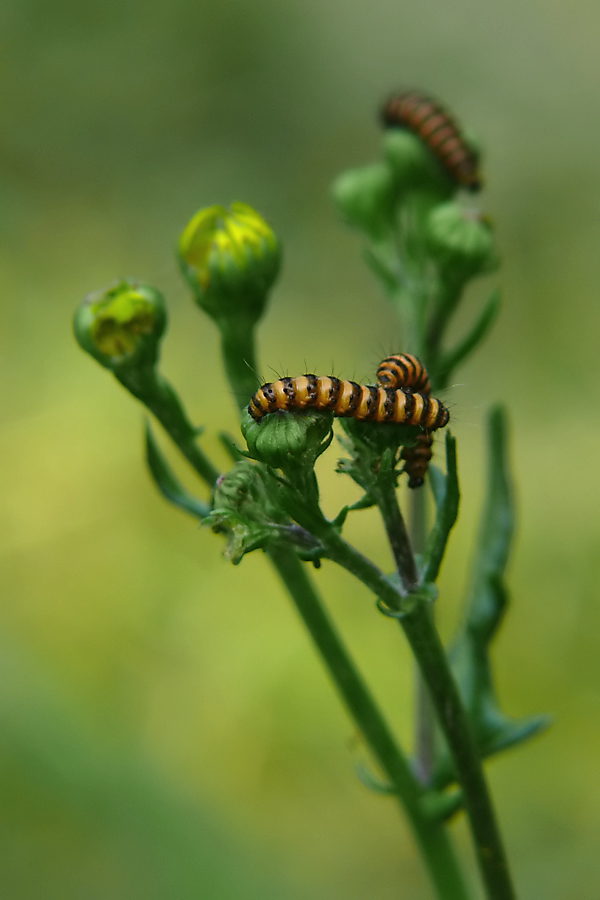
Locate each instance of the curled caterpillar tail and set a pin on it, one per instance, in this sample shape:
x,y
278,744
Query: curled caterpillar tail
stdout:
x,y
438,131
402,370
416,460
350,400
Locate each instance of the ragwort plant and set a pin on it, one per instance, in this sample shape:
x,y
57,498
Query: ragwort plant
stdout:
x,y
424,245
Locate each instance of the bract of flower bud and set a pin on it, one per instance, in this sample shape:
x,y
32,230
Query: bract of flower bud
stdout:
x,y
242,510
461,241
231,258
285,438
366,198
242,490
121,326
414,166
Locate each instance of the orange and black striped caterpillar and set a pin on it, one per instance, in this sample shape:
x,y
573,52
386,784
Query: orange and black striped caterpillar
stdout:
x,y
403,397
405,370
438,131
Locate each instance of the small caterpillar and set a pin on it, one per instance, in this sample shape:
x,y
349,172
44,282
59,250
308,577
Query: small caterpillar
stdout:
x,y
403,370
348,399
438,131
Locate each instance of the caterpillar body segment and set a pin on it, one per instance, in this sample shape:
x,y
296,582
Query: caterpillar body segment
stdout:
x,y
366,403
417,458
404,370
438,131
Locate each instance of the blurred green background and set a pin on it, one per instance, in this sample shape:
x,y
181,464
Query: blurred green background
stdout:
x,y
166,730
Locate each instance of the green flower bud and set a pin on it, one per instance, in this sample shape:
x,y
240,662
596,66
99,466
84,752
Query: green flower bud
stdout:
x,y
231,259
461,241
121,326
286,438
414,166
366,198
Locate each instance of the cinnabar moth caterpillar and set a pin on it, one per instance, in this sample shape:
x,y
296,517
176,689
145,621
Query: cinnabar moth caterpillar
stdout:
x,y
348,399
438,131
403,370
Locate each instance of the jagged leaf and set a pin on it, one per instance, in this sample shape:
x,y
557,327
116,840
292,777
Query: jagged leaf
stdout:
x,y
167,483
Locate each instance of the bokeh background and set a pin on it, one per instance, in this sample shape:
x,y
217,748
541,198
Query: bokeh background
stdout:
x,y
166,729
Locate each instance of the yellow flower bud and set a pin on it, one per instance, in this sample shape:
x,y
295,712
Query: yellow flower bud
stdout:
x,y
122,325
231,259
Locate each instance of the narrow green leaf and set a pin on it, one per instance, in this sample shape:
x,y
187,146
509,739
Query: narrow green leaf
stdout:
x,y
446,515
382,269
471,340
487,603
167,483
437,483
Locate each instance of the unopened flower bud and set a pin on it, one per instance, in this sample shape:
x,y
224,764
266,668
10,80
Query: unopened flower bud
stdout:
x,y
461,241
414,166
121,326
366,198
284,439
230,259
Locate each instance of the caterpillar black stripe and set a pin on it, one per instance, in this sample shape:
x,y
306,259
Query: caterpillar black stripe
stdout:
x,y
438,131
366,403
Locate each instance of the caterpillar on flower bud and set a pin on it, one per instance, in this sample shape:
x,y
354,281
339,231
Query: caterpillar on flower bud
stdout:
x,y
438,131
366,403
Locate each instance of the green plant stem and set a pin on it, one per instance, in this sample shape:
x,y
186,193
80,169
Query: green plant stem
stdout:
x,y
430,834
239,358
160,398
432,660
433,663
384,493
424,717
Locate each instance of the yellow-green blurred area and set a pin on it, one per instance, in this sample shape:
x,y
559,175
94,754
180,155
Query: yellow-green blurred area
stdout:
x,y
166,729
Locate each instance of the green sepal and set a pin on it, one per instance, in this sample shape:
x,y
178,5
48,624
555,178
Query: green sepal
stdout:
x,y
486,606
370,781
235,452
442,807
167,483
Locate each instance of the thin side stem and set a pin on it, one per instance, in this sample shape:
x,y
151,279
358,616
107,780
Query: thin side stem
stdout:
x,y
430,834
157,394
239,359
